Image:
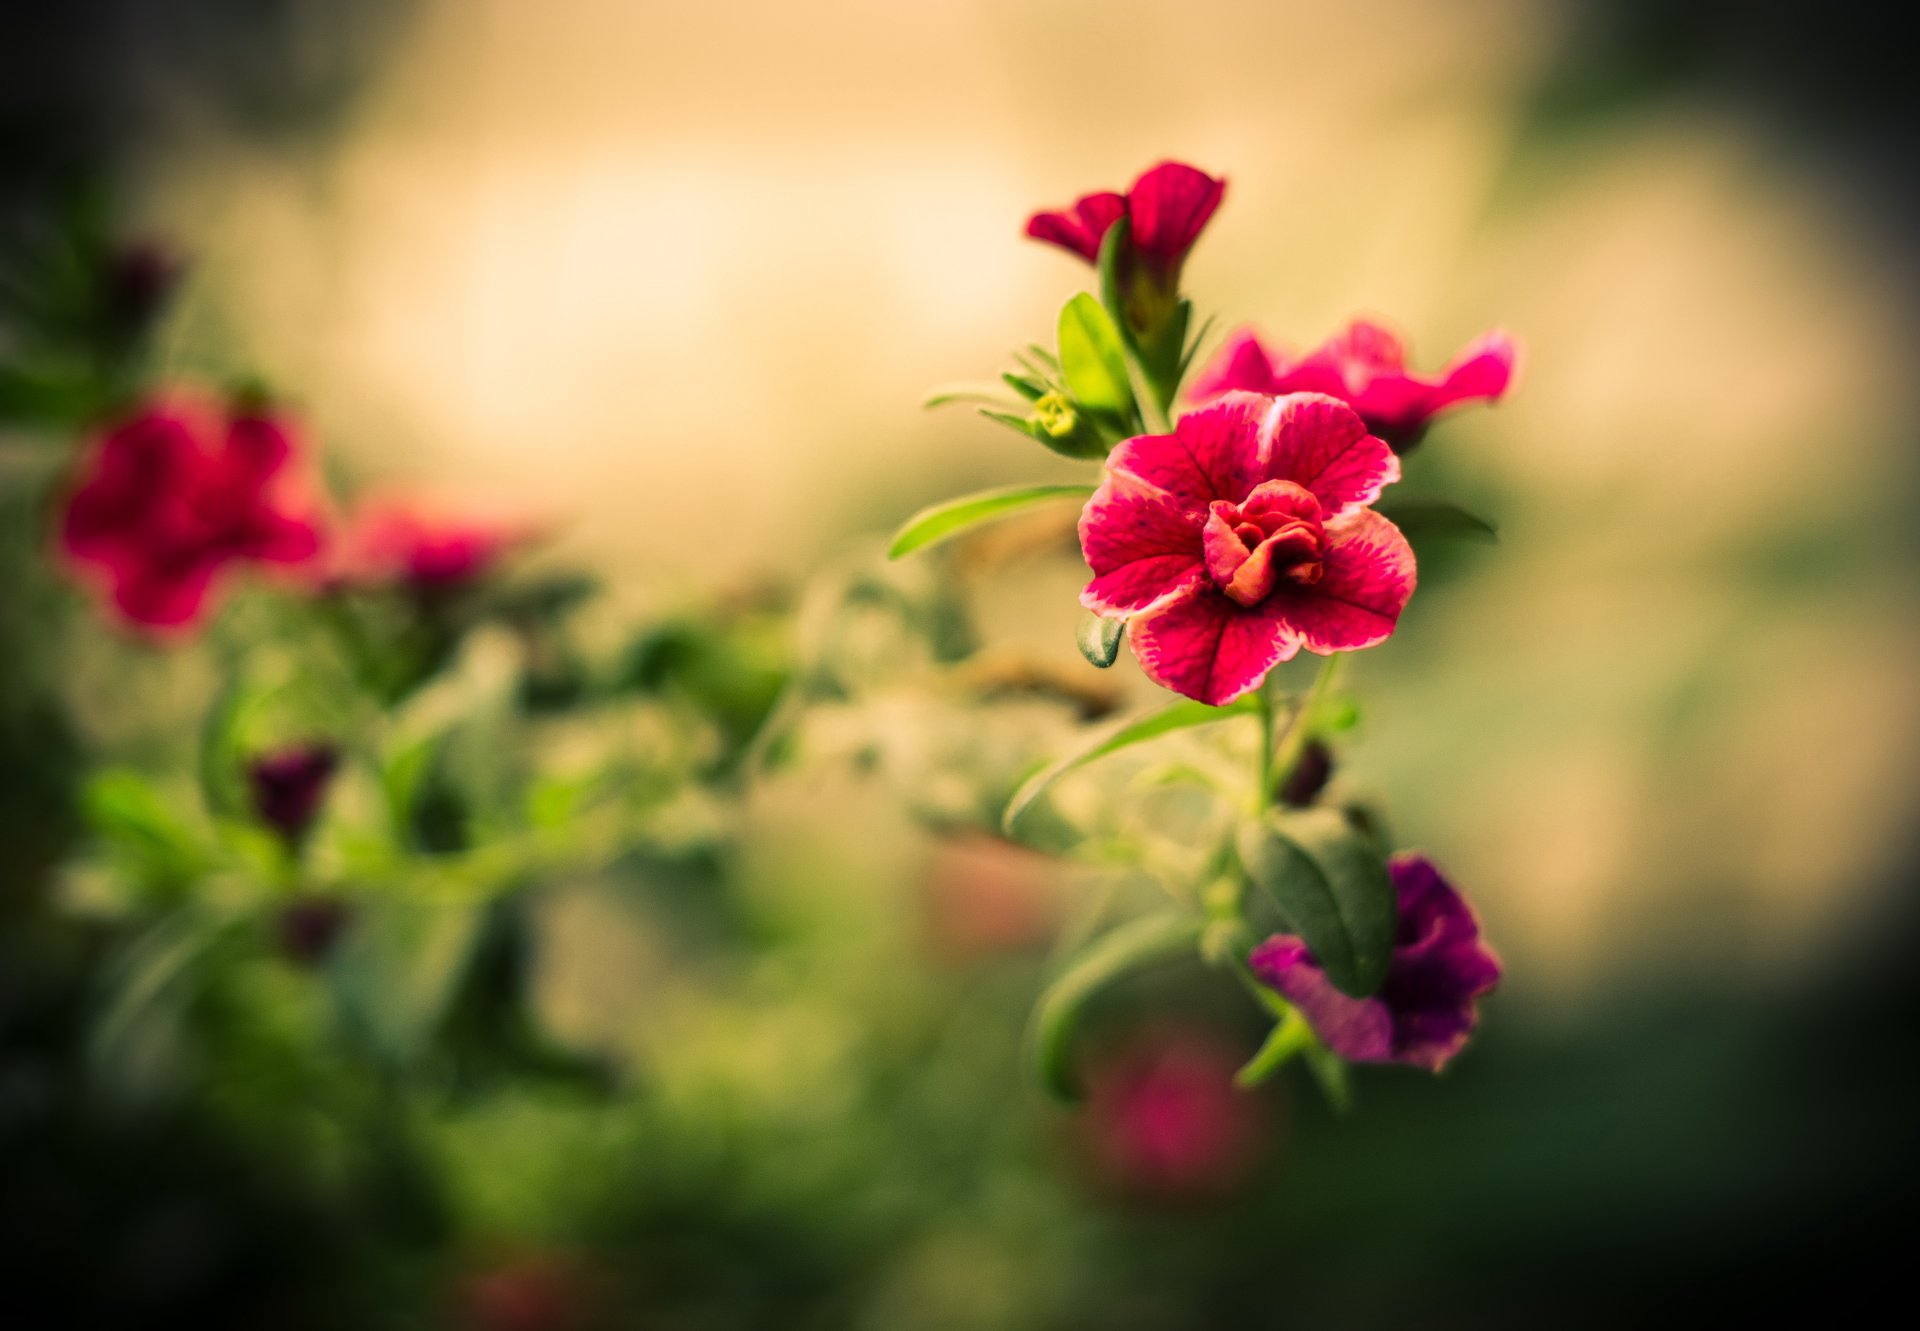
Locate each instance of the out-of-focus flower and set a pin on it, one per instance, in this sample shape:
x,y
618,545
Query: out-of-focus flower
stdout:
x,y
176,493
1365,366
528,1292
308,928
408,544
288,784
1426,1008
986,895
1169,205
1244,536
1309,776
1166,1123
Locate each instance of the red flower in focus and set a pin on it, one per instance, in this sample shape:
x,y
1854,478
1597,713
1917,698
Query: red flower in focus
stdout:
x,y
399,543
1168,207
1426,1008
1244,536
1166,1122
178,492
1365,366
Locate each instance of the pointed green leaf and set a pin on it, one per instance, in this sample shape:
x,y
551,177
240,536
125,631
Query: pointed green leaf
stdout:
x,y
976,393
1435,519
1133,945
1331,884
1112,246
1099,639
944,521
1092,359
1176,716
1026,386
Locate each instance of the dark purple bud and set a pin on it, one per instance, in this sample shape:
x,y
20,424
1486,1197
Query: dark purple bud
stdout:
x,y
1309,776
1428,1004
141,275
288,785
308,928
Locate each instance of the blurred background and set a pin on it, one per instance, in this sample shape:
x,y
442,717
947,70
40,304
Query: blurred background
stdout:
x,y
674,283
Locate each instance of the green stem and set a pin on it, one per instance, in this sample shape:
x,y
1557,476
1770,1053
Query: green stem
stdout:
x,y
1286,755
1291,1036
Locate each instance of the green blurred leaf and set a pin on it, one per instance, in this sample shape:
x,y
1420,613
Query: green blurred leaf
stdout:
x,y
1175,716
986,393
944,521
1099,639
1434,519
399,968
1092,358
1135,944
1331,884
1027,386
135,820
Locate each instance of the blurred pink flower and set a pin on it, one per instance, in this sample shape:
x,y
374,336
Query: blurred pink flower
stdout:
x,y
1365,367
175,493
1169,205
393,542
1244,536
1426,1008
1165,1121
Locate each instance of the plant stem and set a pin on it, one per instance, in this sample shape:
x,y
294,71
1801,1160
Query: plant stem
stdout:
x,y
1285,756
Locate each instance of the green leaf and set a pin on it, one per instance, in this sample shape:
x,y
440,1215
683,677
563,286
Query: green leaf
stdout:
x,y
1435,519
1331,884
1092,359
1125,949
941,522
1112,246
1025,385
1099,639
977,393
1175,716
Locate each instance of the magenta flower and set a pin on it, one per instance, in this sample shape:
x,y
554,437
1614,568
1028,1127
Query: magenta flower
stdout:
x,y
1425,1010
1365,366
177,493
1168,206
288,784
1166,1122
1244,536
400,543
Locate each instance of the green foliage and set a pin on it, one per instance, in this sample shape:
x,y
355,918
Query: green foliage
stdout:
x,y
1128,948
1330,883
954,517
1099,639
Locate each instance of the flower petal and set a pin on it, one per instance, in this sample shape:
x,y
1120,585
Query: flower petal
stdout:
x,y
1169,205
1081,228
1241,363
1360,1029
1485,370
1369,574
1213,453
1321,443
1206,647
1140,545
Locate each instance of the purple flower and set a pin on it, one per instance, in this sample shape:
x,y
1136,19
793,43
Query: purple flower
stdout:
x,y
288,785
1425,1010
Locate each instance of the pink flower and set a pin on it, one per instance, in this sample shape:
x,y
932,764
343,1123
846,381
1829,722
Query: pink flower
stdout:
x,y
1167,1123
1365,367
1168,206
1426,1008
1244,536
401,543
175,494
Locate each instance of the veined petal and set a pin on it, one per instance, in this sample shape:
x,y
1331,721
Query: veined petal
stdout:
x,y
1081,228
1208,648
1169,205
1369,575
1213,452
1140,544
1321,443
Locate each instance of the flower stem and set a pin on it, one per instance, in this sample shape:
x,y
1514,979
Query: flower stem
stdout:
x,y
1282,758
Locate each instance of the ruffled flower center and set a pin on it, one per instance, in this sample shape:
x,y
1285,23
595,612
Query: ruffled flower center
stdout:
x,y
1273,533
